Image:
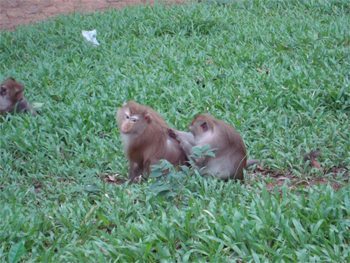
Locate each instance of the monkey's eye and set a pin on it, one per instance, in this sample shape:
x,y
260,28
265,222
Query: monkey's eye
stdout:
x,y
127,117
204,126
133,119
2,91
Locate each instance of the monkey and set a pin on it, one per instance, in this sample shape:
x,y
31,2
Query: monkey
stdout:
x,y
227,144
146,139
12,98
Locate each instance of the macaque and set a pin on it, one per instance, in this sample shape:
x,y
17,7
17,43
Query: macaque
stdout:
x,y
230,152
146,139
12,98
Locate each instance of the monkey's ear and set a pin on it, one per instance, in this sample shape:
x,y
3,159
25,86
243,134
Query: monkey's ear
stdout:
x,y
204,126
19,92
19,87
147,117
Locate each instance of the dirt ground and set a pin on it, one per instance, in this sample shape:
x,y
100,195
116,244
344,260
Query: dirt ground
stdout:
x,y
17,12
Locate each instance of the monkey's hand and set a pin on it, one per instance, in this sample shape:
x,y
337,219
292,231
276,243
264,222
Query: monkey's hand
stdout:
x,y
24,106
185,139
172,134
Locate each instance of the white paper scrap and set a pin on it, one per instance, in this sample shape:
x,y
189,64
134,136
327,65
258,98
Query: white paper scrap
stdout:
x,y
90,36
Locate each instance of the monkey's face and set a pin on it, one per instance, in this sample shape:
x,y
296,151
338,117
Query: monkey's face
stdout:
x,y
4,90
5,102
12,90
131,124
199,127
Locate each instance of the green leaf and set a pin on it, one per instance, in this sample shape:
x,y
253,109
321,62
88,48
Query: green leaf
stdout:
x,y
17,251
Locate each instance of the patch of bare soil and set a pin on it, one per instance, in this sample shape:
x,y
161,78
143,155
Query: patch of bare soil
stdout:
x,y
18,12
113,179
337,177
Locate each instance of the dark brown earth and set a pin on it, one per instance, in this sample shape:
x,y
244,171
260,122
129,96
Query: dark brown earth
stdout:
x,y
17,12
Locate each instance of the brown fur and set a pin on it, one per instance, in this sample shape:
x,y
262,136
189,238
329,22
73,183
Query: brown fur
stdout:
x,y
12,97
146,141
230,152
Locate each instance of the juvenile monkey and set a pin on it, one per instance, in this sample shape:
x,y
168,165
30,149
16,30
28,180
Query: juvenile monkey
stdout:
x,y
146,139
230,152
12,98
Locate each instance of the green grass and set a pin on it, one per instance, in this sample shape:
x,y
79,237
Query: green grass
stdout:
x,y
181,61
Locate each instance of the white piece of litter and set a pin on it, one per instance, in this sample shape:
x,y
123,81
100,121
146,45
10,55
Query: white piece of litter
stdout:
x,y
90,36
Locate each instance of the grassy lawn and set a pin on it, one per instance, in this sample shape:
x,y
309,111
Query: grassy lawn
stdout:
x,y
279,71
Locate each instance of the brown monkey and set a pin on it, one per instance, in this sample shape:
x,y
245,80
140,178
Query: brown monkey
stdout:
x,y
146,139
12,98
230,152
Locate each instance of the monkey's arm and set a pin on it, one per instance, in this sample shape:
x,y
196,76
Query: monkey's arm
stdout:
x,y
185,139
187,142
24,106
